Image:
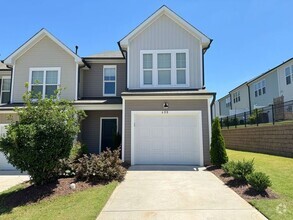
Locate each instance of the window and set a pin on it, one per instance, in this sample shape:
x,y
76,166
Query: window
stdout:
x,y
109,80
260,88
5,89
289,75
236,97
164,68
228,102
44,81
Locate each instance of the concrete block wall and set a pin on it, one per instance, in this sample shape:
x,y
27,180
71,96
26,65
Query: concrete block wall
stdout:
x,y
275,139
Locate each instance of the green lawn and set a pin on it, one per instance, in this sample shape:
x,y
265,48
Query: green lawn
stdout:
x,y
280,169
85,204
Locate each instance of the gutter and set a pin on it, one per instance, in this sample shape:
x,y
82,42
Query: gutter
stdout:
x,y
126,59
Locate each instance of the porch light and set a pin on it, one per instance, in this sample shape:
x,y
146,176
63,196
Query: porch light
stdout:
x,y
166,105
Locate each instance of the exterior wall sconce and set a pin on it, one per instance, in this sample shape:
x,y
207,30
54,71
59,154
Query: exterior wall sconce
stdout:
x,y
165,107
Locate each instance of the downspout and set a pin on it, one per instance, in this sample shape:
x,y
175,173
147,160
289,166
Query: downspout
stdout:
x,y
125,55
212,103
202,60
249,101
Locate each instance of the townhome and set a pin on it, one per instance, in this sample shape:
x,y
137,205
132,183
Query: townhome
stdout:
x,y
225,106
151,91
239,99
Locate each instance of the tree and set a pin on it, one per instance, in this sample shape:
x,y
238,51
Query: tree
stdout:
x,y
43,135
218,150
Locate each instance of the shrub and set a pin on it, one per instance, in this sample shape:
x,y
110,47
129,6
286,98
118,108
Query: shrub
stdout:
x,y
43,135
242,169
218,150
229,167
78,149
101,168
259,181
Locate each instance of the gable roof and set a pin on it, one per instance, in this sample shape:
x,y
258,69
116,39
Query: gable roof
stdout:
x,y
3,67
33,40
164,10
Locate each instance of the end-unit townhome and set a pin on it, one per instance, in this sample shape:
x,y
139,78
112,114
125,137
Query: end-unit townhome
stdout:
x,y
151,90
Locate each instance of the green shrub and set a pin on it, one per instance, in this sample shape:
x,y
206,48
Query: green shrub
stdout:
x,y
78,149
259,181
242,169
101,168
43,135
229,167
218,150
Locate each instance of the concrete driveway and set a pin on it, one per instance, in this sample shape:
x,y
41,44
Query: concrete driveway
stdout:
x,y
9,179
175,192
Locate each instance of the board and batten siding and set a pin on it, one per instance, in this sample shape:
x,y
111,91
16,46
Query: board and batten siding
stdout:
x,y
164,34
174,105
90,128
45,53
93,79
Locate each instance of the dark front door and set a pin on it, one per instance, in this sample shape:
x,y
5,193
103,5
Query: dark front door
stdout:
x,y
109,130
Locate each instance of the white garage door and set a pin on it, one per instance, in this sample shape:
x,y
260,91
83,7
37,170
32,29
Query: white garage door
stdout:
x,y
4,165
167,138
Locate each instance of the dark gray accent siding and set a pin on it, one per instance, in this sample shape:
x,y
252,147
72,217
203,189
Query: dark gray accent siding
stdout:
x,y
90,128
174,105
93,80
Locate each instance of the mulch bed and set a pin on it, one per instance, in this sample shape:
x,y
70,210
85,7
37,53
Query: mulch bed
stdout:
x,y
31,193
240,186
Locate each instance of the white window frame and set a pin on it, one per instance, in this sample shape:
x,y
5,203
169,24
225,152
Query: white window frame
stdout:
x,y
4,77
236,97
228,102
290,75
101,127
44,69
259,88
155,83
105,67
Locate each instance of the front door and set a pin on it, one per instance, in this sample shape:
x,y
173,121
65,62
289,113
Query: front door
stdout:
x,y
108,132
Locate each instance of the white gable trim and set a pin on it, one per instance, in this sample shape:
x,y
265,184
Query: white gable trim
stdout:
x,y
35,39
165,11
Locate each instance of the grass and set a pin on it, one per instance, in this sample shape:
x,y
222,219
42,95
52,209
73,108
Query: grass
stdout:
x,y
280,170
85,204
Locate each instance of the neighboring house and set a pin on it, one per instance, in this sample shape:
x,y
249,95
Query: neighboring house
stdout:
x,y
152,91
285,79
239,99
224,104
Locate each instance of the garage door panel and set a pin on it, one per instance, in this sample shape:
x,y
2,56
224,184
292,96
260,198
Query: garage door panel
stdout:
x,y
167,138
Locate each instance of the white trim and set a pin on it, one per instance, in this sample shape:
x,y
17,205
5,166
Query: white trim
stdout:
x,y
109,66
103,61
99,107
1,89
127,67
44,69
76,82
31,42
100,139
192,113
166,11
123,130
12,84
173,69
164,97
209,122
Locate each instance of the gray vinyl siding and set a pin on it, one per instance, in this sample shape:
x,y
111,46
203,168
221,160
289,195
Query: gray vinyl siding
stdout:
x,y
272,90
165,34
45,53
174,105
90,128
224,110
243,105
93,79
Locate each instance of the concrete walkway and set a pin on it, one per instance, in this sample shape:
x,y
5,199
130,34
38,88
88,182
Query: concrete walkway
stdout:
x,y
175,192
9,179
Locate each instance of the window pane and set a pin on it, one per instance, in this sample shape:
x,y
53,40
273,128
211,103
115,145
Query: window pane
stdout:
x,y
50,90
51,77
109,88
109,74
263,90
5,97
37,77
288,80
181,77
164,60
255,93
164,77
147,61
147,77
36,90
287,71
6,84
180,60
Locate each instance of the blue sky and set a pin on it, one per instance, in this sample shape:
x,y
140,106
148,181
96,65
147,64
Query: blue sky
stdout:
x,y
250,36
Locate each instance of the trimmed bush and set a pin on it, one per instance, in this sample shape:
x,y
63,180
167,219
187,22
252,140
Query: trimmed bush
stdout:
x,y
78,149
218,150
242,169
229,167
101,168
259,181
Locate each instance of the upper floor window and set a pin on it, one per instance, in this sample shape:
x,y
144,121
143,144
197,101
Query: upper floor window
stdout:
x,y
5,89
109,80
228,102
289,74
236,97
44,81
163,68
260,88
